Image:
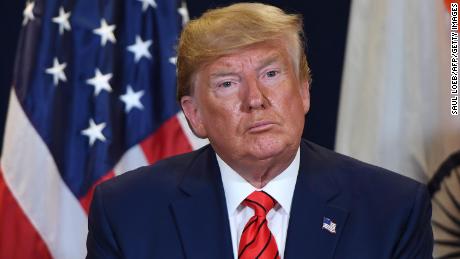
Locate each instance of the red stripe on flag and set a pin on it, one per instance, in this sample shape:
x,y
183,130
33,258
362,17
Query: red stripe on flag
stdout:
x,y
18,238
85,201
167,141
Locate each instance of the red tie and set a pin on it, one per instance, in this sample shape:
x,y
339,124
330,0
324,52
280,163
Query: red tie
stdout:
x,y
256,240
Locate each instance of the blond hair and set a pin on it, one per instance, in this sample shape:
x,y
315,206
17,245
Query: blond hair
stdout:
x,y
223,31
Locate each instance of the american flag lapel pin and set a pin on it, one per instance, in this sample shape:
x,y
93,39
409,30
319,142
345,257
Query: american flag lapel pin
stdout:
x,y
329,225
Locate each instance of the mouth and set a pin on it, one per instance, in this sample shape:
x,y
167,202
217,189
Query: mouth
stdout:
x,y
260,126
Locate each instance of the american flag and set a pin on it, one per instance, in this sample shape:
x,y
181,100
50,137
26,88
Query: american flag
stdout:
x,y
93,96
329,225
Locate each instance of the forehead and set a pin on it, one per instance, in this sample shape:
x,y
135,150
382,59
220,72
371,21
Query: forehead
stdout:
x,y
256,56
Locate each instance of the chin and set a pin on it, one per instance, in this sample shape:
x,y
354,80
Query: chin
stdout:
x,y
265,149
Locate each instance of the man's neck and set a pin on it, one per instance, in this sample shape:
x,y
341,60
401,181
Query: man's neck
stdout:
x,y
259,172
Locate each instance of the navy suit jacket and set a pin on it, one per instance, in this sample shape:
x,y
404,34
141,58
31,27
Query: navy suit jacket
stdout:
x,y
177,209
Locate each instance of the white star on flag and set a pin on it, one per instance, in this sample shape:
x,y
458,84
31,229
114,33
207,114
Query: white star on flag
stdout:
x,y
183,12
140,49
132,99
147,3
94,132
173,60
100,82
57,70
106,32
63,20
28,13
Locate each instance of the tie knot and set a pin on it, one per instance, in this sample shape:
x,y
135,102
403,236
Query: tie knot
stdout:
x,y
261,202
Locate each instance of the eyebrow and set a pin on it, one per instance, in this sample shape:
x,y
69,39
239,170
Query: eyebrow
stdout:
x,y
222,74
268,61
265,62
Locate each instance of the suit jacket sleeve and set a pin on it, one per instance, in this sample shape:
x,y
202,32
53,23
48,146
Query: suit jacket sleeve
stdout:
x,y
417,239
100,242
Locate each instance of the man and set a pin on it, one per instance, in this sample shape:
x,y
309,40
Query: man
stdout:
x,y
258,190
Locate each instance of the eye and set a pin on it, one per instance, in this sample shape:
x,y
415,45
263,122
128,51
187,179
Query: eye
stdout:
x,y
272,73
226,84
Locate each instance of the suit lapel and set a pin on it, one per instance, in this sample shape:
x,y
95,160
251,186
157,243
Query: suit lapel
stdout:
x,y
315,196
202,218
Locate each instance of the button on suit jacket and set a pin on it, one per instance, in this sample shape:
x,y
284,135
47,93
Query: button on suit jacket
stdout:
x,y
176,209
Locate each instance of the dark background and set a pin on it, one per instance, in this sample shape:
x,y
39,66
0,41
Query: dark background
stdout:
x,y
325,25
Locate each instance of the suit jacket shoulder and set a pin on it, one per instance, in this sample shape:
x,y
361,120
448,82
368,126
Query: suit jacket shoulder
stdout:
x,y
159,180
386,211
132,214
360,179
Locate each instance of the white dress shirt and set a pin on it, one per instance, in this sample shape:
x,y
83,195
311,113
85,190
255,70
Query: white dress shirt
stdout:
x,y
281,188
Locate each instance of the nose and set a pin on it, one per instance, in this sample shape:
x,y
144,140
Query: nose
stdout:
x,y
254,96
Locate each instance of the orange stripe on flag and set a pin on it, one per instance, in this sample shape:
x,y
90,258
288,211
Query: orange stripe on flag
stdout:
x,y
18,238
448,2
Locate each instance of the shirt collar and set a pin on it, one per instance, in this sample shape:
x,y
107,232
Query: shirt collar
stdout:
x,y
281,187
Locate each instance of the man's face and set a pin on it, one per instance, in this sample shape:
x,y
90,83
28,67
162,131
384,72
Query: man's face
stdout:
x,y
251,104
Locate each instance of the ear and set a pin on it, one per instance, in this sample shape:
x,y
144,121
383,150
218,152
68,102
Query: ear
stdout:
x,y
193,115
305,94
